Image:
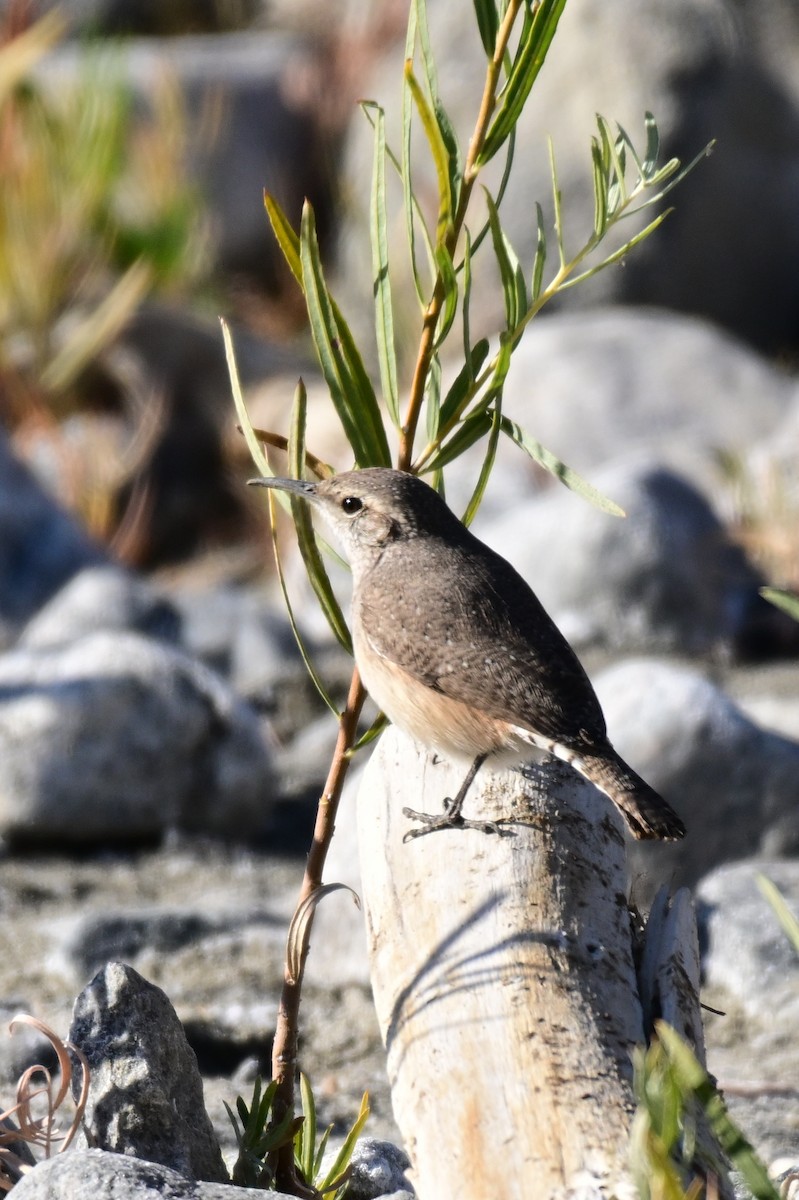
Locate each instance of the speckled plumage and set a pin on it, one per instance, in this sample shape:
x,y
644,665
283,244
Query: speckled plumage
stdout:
x,y
458,650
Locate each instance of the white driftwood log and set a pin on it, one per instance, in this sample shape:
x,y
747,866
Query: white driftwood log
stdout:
x,y
503,978
668,974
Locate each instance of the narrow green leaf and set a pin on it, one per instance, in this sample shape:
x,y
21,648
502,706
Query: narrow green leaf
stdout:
x,y
611,186
618,192
307,1134
342,1159
408,197
428,61
450,281
432,395
668,171
315,677
487,24
448,135
466,434
467,298
320,1154
600,189
253,445
384,314
367,410
460,389
499,373
439,153
652,151
306,538
565,474
487,467
557,203
503,183
533,47
342,366
784,914
513,286
339,358
287,239
639,166
693,1079
787,601
374,730
617,255
412,207
233,1122
540,254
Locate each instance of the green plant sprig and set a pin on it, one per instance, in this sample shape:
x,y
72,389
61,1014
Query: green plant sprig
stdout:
x,y
615,200
672,1158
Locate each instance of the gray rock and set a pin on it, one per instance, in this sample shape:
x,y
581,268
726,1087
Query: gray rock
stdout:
x,y
265,656
146,1095
211,620
751,974
746,951
767,694
220,1005
304,763
117,737
665,579
103,597
41,546
105,1176
594,385
736,786
378,1171
243,633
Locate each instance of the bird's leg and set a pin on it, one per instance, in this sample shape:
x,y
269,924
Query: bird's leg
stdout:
x,y
451,817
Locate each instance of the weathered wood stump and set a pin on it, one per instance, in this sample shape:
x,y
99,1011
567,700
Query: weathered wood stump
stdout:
x,y
503,977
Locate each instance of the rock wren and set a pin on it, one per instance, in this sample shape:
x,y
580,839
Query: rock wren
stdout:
x,y
457,651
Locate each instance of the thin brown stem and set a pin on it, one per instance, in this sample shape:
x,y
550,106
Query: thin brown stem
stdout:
x,y
470,172
284,1049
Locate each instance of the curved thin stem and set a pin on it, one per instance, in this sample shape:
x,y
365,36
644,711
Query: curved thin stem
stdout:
x,y
284,1048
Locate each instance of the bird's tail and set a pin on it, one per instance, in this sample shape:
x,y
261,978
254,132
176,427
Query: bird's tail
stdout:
x,y
646,813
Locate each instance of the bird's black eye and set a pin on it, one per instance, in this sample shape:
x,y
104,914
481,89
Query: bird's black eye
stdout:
x,y
351,505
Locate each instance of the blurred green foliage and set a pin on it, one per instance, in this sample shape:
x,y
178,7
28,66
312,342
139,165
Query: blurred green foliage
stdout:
x,y
96,211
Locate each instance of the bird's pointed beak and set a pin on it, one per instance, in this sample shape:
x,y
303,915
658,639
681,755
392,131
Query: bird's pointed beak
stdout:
x,y
301,487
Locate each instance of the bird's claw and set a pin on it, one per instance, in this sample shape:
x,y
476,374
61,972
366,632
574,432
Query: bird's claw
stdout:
x,y
450,819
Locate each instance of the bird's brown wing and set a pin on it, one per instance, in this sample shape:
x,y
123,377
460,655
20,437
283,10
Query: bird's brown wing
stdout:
x,y
461,620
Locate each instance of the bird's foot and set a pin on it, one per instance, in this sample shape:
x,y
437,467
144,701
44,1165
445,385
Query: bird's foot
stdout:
x,y
450,818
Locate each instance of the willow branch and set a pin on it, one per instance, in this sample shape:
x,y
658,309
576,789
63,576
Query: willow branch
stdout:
x,y
470,172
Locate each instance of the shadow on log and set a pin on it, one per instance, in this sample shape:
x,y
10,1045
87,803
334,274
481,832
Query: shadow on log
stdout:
x,y
504,981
